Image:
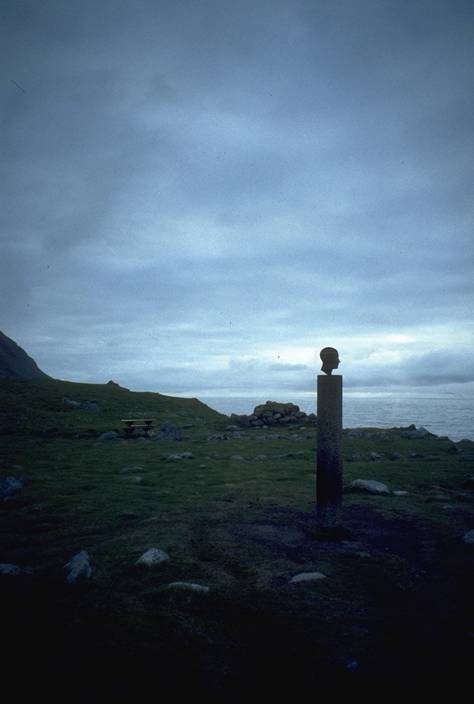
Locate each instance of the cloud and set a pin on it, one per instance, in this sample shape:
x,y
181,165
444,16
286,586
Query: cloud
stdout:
x,y
190,186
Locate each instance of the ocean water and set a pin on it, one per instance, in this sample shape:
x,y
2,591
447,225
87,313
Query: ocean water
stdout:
x,y
442,415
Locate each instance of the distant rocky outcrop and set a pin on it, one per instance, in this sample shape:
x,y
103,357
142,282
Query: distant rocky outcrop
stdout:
x,y
15,363
272,413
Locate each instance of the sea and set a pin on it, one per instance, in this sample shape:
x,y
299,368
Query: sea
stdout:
x,y
445,415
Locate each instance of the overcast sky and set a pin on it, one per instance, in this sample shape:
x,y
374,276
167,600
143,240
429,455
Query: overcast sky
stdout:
x,y
197,196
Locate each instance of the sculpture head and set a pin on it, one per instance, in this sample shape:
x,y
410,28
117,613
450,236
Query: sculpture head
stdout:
x,y
330,359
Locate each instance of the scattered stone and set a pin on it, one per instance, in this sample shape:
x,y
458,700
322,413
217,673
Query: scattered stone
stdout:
x,y
188,586
400,493
153,556
70,403
395,456
273,413
217,436
375,456
260,458
137,479
369,486
131,468
91,405
79,567
469,537
182,456
110,435
232,427
168,431
307,577
237,458
10,486
9,569
416,433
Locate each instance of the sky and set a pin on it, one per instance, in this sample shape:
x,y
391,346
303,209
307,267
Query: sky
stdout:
x,y
197,196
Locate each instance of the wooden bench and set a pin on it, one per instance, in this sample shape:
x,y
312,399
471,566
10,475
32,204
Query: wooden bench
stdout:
x,y
132,424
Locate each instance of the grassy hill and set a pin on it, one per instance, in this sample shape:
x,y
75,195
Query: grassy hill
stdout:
x,y
38,406
232,509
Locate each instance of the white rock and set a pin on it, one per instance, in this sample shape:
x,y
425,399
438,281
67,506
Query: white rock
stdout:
x,y
79,567
188,586
182,456
400,493
469,537
370,486
237,458
153,556
307,577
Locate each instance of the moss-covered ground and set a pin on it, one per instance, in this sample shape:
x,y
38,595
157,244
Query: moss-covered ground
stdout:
x,y
396,602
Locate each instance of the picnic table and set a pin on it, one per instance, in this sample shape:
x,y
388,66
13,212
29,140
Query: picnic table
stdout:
x,y
132,424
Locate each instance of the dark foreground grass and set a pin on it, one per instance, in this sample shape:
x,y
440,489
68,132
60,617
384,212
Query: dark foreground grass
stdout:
x,y
396,602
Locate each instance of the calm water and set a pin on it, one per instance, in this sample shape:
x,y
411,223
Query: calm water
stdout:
x,y
442,415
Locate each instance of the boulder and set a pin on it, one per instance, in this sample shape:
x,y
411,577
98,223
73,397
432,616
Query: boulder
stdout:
x,y
369,486
307,577
110,435
182,456
469,537
273,413
153,556
416,433
79,567
168,431
9,486
188,586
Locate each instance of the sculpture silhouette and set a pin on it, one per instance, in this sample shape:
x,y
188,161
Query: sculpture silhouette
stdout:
x,y
330,359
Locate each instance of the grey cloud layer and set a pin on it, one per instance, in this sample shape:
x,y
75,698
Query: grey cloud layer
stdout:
x,y
183,173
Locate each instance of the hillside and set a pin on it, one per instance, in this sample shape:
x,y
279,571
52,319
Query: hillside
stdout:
x,y
16,363
43,406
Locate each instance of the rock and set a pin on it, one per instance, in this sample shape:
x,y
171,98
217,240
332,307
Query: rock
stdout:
x,y
131,468
307,577
217,436
237,458
273,413
369,486
182,456
168,431
110,435
70,403
375,456
10,486
469,537
153,556
79,567
136,479
466,457
188,586
9,569
395,456
92,406
260,458
416,433
400,493
232,427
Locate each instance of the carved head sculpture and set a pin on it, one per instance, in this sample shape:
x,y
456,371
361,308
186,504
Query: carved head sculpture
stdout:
x,y
330,359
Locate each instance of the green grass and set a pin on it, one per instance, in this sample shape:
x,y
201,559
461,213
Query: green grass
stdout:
x,y
398,587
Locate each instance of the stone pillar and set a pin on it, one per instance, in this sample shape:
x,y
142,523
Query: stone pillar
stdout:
x,y
329,457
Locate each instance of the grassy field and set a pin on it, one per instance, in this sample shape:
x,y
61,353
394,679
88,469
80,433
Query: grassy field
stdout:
x,y
396,601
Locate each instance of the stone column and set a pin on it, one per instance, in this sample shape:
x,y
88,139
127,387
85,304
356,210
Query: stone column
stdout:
x,y
329,457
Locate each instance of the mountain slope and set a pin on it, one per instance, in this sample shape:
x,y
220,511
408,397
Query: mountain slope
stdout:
x,y
15,363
